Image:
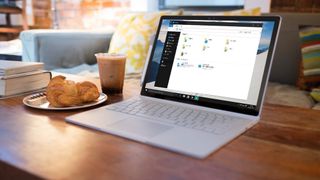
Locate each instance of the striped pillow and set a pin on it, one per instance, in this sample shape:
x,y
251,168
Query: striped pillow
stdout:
x,y
310,49
309,76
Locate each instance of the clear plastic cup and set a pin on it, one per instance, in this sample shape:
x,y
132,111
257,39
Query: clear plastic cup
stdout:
x,y
111,72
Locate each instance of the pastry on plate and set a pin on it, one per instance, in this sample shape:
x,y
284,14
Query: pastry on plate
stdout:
x,y
64,93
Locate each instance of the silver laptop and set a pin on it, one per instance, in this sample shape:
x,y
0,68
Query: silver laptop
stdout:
x,y
203,86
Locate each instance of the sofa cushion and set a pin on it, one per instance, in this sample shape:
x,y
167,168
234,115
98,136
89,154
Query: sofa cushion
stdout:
x,y
316,107
288,95
81,70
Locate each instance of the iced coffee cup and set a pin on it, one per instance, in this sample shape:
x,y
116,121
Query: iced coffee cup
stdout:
x,y
111,72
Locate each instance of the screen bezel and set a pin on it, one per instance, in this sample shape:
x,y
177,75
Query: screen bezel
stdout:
x,y
219,104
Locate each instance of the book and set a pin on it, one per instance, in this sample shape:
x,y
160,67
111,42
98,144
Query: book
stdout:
x,y
24,82
15,67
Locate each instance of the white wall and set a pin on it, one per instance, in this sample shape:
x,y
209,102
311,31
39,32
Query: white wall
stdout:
x,y
143,5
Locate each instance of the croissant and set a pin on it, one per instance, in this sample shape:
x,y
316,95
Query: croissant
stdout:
x,y
63,93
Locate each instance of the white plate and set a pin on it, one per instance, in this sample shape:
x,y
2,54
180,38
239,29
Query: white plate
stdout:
x,y
39,101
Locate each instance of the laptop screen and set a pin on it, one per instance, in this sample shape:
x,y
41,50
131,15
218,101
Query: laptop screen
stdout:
x,y
220,62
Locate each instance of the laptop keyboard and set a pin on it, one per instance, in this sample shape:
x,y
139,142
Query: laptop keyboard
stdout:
x,y
173,114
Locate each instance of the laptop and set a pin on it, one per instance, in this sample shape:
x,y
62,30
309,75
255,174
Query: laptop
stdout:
x,y
203,86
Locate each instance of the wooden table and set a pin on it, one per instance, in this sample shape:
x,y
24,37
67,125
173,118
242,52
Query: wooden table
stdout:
x,y
285,144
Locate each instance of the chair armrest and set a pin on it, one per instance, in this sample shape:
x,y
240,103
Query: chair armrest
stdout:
x,y
63,48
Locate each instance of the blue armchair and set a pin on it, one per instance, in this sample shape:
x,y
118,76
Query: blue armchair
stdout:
x,y
63,48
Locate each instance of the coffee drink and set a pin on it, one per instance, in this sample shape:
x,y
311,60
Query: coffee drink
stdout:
x,y
111,71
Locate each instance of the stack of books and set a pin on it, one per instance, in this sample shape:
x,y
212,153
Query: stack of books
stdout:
x,y
21,77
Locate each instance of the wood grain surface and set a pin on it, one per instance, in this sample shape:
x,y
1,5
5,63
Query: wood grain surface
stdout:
x,y
285,144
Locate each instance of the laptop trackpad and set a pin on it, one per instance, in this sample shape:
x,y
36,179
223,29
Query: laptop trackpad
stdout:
x,y
140,127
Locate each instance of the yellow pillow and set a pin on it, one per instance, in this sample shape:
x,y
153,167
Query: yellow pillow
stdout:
x,y
132,38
